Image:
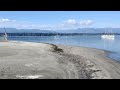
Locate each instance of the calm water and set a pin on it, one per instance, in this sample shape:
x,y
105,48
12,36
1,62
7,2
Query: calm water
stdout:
x,y
94,41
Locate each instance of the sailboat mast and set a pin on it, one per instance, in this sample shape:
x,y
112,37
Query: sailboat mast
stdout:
x,y
5,36
5,32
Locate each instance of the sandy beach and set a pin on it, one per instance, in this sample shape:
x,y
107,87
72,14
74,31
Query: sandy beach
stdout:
x,y
27,60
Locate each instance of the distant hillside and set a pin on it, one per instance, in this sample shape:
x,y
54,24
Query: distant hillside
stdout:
x,y
91,30
79,30
14,30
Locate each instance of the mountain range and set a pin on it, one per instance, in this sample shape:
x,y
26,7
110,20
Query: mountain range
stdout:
x,y
91,30
79,30
14,30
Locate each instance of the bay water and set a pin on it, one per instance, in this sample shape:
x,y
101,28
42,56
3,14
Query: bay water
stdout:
x,y
93,41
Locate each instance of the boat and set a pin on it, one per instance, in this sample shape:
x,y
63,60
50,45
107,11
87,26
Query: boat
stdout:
x,y
108,36
56,36
4,36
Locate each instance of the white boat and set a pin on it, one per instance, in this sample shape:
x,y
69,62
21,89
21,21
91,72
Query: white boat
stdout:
x,y
108,36
3,37
56,36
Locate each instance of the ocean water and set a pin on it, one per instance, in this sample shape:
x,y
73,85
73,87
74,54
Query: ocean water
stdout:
x,y
93,41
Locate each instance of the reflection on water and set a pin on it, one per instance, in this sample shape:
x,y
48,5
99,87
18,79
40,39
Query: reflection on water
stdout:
x,y
94,41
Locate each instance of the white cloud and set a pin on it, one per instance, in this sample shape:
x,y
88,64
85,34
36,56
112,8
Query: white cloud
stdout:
x,y
86,22
71,22
4,20
81,23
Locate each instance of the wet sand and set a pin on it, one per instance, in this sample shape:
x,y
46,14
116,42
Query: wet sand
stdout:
x,y
27,60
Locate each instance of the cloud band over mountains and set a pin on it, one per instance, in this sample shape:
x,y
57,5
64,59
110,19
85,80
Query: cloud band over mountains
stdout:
x,y
75,22
70,23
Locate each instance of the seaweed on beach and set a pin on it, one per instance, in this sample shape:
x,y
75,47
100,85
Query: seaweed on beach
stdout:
x,y
56,49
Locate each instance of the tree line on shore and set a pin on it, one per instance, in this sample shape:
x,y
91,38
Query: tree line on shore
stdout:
x,y
55,34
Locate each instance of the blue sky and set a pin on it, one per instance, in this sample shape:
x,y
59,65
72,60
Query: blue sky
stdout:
x,y
59,19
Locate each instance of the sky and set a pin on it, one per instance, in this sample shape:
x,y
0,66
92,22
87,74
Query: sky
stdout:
x,y
53,20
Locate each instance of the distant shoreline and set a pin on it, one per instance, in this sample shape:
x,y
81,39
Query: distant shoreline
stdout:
x,y
57,34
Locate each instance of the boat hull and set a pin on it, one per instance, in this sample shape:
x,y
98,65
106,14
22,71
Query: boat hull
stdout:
x,y
108,36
